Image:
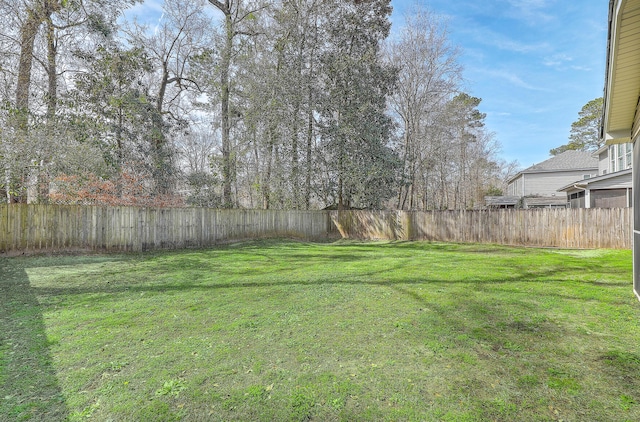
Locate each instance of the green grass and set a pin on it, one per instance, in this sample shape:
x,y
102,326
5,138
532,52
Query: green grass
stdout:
x,y
347,331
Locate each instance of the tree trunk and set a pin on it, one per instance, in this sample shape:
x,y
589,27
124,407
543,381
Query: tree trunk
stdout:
x,y
227,177
28,34
295,159
307,182
35,17
52,72
161,176
266,181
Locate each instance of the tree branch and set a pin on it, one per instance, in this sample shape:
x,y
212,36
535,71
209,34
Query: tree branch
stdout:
x,y
179,79
219,5
248,33
249,13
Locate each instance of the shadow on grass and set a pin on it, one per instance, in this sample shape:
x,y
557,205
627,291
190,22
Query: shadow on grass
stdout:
x,y
269,277
29,389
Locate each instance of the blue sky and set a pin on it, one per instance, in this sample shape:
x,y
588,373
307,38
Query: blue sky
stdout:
x,y
534,63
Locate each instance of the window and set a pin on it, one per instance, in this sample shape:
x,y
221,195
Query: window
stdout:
x,y
586,176
621,156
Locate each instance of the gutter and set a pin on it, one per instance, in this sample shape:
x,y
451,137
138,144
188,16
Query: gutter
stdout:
x,y
583,184
605,90
527,171
613,138
572,186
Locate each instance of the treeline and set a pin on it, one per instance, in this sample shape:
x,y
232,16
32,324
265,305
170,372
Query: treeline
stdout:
x,y
297,104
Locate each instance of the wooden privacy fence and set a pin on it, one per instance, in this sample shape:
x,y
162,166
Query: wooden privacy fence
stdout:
x,y
55,227
565,228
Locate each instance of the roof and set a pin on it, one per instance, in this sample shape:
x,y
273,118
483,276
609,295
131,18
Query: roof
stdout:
x,y
496,201
566,161
601,150
622,83
545,201
583,184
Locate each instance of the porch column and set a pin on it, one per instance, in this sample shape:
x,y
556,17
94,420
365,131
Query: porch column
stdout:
x,y
636,216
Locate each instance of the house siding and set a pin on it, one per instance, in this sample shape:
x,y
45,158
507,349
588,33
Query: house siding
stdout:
x,y
603,162
610,191
614,183
547,184
515,187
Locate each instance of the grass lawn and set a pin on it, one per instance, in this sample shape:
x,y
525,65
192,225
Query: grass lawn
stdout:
x,y
346,331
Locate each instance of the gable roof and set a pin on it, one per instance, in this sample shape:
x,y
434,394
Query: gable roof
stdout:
x,y
566,161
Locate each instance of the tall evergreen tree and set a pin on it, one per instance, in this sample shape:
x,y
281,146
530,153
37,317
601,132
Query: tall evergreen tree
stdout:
x,y
356,82
585,132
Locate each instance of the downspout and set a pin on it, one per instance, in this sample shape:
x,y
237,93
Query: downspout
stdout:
x,y
587,198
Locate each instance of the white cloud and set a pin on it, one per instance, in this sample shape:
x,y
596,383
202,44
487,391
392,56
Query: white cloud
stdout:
x,y
499,113
557,60
513,79
146,12
529,4
507,43
530,11
563,62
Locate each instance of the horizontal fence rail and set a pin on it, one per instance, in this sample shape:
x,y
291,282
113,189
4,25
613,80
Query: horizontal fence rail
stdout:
x,y
58,228
564,228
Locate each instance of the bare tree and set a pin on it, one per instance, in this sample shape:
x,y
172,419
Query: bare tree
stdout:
x,y
238,16
429,75
179,37
34,32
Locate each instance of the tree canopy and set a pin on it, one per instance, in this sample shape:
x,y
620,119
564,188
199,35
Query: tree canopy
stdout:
x,y
297,104
585,132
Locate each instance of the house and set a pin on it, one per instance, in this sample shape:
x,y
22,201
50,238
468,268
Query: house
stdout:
x,y
612,188
558,201
539,183
613,158
621,117
501,202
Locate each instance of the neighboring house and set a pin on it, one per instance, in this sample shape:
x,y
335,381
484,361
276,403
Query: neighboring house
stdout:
x,y
611,190
559,201
539,183
613,158
501,202
621,117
